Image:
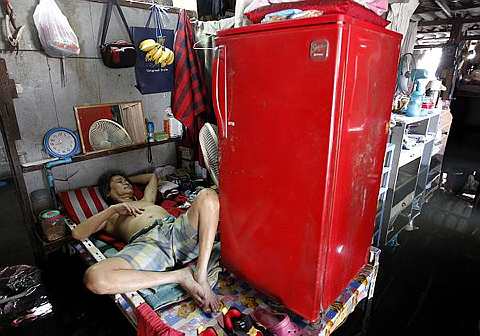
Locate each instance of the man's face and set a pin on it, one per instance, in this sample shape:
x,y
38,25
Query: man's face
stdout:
x,y
120,188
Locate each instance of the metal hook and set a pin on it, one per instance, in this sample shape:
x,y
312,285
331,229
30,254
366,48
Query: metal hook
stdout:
x,y
162,8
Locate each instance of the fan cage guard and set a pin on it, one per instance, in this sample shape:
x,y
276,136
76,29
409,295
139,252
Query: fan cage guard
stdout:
x,y
100,127
209,146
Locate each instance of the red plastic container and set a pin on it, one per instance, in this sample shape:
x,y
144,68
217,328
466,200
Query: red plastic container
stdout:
x,y
303,108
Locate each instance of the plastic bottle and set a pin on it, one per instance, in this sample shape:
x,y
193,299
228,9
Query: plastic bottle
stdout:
x,y
166,121
414,108
172,126
415,104
150,131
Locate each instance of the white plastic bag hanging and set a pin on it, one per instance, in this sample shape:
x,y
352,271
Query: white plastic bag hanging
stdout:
x,y
56,35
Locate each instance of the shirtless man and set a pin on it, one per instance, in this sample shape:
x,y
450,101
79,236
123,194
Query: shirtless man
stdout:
x,y
155,248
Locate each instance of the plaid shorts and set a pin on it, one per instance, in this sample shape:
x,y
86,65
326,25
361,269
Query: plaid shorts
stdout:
x,y
163,246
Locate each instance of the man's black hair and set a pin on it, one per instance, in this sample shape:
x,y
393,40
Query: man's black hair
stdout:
x,y
104,184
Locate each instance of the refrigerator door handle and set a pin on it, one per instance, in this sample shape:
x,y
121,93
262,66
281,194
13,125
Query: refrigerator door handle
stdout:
x,y
222,118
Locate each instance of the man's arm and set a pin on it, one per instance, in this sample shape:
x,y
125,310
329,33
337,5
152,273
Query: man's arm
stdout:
x,y
99,221
93,224
141,179
150,193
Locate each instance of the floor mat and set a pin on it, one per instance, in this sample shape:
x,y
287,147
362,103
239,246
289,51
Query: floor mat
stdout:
x,y
186,317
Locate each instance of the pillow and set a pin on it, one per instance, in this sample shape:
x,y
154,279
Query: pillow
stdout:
x,y
85,202
347,7
82,203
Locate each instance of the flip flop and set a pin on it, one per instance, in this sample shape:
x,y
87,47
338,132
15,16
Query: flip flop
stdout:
x,y
278,324
235,323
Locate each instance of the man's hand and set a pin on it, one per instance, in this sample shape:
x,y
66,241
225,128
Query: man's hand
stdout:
x,y
127,209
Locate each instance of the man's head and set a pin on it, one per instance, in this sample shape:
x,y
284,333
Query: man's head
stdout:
x,y
115,187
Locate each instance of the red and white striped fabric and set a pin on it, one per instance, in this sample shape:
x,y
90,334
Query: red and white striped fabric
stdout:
x,y
82,203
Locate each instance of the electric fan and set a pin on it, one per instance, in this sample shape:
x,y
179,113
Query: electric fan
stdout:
x,y
209,144
405,80
105,134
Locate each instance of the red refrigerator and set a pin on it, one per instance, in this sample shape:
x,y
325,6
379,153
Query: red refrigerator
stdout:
x,y
303,108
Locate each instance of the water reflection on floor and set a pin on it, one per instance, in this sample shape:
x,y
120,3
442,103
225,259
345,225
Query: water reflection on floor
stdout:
x,y
430,284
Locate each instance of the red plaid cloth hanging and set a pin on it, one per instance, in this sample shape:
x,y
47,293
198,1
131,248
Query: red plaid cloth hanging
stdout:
x,y
189,97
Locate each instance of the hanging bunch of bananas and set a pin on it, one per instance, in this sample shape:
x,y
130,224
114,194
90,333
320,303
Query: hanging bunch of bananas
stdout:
x,y
157,53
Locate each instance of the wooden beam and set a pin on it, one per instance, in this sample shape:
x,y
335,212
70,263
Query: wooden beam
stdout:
x,y
428,10
142,4
433,10
433,40
429,46
137,4
456,35
472,37
456,38
442,22
472,32
434,32
10,132
466,9
444,7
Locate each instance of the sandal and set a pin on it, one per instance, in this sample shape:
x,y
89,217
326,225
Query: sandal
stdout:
x,y
278,324
235,323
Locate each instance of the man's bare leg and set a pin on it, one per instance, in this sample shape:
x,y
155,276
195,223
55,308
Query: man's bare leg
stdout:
x,y
115,275
203,216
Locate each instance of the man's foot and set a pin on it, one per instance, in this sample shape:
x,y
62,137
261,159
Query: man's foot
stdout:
x,y
211,302
192,286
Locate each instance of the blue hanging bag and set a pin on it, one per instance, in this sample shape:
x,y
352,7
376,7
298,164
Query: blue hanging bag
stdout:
x,y
151,78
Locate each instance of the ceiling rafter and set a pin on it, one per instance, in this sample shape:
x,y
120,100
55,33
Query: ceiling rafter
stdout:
x,y
429,46
449,21
431,10
444,7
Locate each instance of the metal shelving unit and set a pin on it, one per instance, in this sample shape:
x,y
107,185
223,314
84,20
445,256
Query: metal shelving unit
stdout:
x,y
414,139
382,195
434,178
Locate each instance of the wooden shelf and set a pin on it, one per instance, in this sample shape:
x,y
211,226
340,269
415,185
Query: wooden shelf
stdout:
x,y
410,120
409,155
147,4
30,167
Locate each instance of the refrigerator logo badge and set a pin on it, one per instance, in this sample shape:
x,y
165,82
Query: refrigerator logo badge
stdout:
x,y
319,50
